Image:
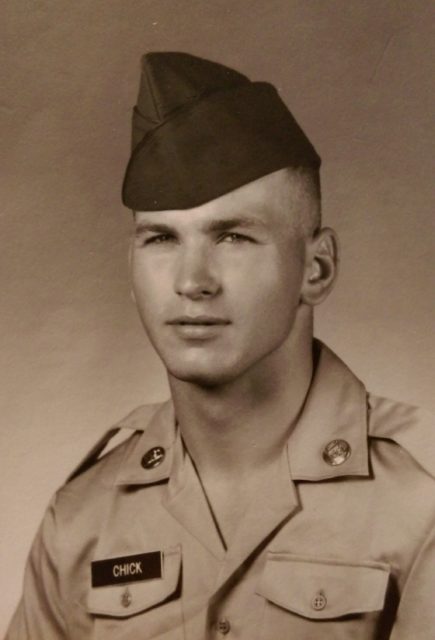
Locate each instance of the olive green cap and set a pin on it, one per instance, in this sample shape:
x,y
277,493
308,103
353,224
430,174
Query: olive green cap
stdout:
x,y
201,129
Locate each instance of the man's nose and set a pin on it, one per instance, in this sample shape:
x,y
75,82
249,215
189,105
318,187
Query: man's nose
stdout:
x,y
196,276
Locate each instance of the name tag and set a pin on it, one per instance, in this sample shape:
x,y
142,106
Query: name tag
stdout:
x,y
144,566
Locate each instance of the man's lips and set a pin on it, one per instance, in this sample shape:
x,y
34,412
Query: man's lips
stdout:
x,y
198,328
201,320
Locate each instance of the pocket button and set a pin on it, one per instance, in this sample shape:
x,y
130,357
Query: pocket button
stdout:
x,y
319,601
126,598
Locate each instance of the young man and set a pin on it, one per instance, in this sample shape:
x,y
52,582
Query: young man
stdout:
x,y
272,497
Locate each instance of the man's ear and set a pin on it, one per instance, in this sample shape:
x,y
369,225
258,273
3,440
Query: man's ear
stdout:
x,y
321,266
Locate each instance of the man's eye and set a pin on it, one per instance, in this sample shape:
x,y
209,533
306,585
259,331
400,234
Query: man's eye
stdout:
x,y
159,238
234,237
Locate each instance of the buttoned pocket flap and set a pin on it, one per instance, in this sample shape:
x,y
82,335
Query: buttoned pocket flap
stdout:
x,y
127,599
323,588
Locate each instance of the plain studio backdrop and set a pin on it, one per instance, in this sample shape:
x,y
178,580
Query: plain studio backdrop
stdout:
x,y
357,75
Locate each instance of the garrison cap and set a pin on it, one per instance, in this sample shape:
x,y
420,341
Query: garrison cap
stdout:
x,y
201,130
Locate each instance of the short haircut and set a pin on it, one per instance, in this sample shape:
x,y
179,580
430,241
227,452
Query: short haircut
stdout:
x,y
306,188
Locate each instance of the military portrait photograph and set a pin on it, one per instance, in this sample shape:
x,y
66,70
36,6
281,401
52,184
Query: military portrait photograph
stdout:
x,y
217,320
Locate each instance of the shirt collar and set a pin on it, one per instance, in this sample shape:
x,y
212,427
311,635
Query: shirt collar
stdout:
x,y
159,430
335,409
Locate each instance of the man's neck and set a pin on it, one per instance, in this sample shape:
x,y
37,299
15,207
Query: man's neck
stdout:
x,y
235,428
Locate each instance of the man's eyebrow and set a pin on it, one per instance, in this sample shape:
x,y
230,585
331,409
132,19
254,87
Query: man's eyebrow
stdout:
x,y
231,223
214,225
154,227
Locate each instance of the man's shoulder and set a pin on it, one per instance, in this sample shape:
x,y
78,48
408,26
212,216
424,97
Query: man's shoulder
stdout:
x,y
411,428
81,506
99,468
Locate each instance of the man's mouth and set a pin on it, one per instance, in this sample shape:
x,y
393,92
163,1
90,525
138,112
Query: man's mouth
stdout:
x,y
198,321
198,329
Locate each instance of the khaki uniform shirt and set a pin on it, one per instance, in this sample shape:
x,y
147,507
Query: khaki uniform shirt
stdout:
x,y
335,546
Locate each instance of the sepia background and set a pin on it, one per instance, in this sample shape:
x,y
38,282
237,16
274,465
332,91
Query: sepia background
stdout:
x,y
357,75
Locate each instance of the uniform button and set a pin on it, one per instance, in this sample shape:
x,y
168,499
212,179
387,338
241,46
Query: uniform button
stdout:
x,y
319,601
126,598
223,626
153,458
336,452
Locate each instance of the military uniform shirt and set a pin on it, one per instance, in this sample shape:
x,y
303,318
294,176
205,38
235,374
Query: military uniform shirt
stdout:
x,y
340,543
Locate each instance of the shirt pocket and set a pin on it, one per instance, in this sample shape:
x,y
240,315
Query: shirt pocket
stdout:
x,y
144,609
303,591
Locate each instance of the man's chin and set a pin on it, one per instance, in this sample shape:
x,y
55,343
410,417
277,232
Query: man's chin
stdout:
x,y
202,376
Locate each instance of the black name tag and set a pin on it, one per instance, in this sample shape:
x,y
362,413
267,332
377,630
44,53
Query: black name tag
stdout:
x,y
144,566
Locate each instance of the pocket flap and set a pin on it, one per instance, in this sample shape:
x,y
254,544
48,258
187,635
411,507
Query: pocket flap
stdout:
x,y
323,588
123,600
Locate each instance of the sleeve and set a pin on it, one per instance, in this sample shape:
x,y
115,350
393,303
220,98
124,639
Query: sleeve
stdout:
x,y
416,613
39,613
